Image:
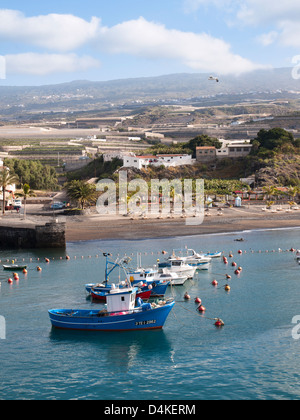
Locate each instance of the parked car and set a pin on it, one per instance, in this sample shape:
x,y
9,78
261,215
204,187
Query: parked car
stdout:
x,y
17,204
9,207
57,206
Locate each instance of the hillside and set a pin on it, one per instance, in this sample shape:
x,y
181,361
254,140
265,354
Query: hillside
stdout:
x,y
283,170
87,95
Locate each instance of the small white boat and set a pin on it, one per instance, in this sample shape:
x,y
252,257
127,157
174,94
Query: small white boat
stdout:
x,y
200,261
178,266
196,258
213,254
172,277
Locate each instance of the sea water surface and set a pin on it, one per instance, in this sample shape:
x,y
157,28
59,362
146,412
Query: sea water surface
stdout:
x,y
255,356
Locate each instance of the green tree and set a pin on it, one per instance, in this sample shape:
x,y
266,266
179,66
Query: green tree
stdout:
x,y
34,173
293,192
201,141
274,140
6,179
270,191
81,192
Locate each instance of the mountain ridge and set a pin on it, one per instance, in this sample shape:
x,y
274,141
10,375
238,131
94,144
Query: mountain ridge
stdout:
x,y
86,95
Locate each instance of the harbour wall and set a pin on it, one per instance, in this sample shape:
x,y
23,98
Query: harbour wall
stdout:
x,y
50,235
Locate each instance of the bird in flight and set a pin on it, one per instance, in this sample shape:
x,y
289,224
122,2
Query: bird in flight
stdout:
x,y
214,78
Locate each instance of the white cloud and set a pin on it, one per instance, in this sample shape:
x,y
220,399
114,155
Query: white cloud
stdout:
x,y
140,38
43,64
268,11
154,41
267,39
54,31
250,11
283,16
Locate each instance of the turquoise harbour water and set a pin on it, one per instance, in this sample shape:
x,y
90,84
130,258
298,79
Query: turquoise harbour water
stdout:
x,y
253,357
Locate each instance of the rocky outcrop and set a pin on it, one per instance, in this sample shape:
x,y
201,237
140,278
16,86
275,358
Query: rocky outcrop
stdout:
x,y
282,170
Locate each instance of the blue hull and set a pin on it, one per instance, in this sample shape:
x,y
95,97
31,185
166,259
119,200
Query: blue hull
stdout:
x,y
158,289
89,287
87,320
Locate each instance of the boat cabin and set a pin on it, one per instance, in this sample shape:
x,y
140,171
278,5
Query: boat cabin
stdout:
x,y
171,263
120,300
141,275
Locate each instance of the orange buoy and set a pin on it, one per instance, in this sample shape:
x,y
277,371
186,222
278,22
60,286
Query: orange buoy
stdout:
x,y
38,268
67,257
228,276
47,260
230,255
227,288
215,283
187,296
201,308
198,300
24,271
219,323
240,269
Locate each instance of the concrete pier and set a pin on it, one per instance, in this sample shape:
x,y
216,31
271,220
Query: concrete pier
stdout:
x,y
50,235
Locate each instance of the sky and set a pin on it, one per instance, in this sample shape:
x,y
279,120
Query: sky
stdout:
x,y
64,40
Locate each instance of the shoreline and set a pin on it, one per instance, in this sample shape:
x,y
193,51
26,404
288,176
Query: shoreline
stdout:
x,y
232,221
95,227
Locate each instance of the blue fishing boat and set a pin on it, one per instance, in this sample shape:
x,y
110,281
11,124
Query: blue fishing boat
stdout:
x,y
101,296
143,279
121,314
151,279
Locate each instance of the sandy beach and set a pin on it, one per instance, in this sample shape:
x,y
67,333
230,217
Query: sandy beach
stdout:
x,y
98,227
95,227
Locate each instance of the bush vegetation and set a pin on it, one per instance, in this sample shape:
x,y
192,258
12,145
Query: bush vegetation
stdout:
x,y
34,173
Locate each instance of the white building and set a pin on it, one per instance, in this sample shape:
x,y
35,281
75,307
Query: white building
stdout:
x,y
235,150
139,162
109,156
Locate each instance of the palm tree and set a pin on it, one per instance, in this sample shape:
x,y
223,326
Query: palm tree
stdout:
x,y
293,192
6,179
270,191
81,191
27,192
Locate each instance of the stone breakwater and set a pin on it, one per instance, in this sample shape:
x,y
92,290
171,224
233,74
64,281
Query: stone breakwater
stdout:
x,y
50,235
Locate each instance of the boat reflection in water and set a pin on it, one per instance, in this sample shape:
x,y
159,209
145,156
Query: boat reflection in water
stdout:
x,y
119,350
